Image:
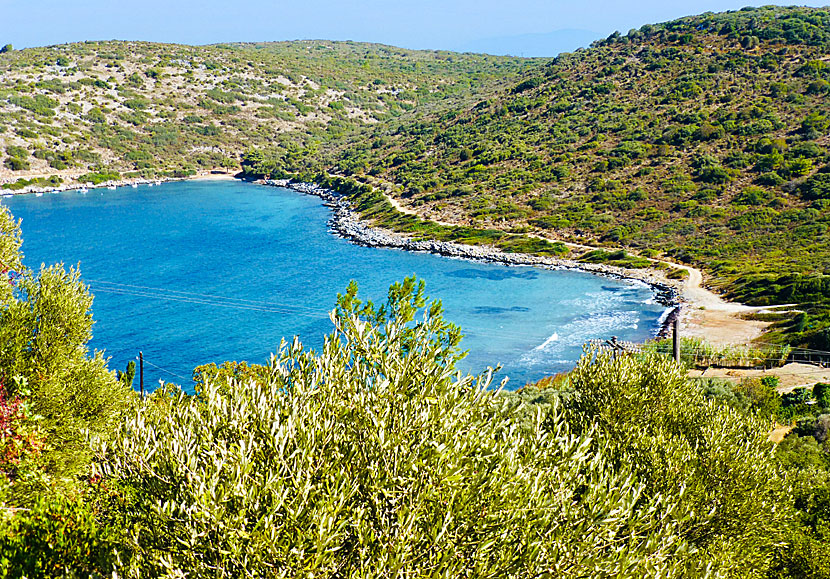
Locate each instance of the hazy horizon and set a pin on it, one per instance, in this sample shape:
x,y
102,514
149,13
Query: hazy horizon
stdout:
x,y
526,27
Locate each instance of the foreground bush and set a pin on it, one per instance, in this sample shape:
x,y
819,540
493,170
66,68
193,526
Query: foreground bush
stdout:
x,y
45,325
713,462
57,537
374,458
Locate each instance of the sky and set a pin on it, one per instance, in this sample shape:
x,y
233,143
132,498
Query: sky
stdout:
x,y
493,26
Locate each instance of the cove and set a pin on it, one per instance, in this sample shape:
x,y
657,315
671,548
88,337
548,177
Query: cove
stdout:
x,y
193,272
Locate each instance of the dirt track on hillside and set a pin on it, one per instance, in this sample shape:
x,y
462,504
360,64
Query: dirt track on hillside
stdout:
x,y
705,314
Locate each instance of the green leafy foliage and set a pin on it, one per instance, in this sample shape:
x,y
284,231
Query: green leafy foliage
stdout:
x,y
649,416
45,324
10,257
128,375
821,392
57,537
805,454
228,373
369,457
376,456
99,177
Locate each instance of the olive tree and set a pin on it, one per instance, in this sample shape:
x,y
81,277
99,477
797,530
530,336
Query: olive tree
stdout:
x,y
715,462
10,257
45,324
375,458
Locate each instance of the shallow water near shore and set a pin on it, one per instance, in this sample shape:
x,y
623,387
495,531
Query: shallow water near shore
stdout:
x,y
193,272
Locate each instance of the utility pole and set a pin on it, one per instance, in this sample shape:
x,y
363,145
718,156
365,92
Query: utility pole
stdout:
x,y
676,339
141,372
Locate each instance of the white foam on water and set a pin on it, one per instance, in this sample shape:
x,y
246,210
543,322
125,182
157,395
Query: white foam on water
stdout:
x,y
595,301
553,338
580,331
662,319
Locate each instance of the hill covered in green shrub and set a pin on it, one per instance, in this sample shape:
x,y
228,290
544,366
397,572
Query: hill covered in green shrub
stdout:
x,y
703,139
149,110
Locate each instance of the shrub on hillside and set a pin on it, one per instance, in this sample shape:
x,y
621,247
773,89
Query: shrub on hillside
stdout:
x,y
713,461
816,187
57,537
16,164
45,324
20,443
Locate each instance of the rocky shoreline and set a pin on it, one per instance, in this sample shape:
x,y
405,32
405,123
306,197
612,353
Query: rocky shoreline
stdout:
x,y
346,223
38,190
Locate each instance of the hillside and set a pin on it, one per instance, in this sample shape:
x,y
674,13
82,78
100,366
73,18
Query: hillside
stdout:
x,y
704,140
154,109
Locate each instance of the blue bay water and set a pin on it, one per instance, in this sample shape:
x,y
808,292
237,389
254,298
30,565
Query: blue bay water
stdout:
x,y
205,271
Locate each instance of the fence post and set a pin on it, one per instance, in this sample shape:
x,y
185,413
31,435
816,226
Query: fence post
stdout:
x,y
141,372
676,339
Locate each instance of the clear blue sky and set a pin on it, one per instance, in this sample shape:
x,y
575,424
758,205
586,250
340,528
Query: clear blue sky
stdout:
x,y
440,24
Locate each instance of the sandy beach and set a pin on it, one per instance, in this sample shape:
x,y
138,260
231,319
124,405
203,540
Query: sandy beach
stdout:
x,y
704,314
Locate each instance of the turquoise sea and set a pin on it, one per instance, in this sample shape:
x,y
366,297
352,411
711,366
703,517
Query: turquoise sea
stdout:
x,y
205,271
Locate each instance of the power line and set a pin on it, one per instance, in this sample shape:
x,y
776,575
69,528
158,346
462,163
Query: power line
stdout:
x,y
146,361
748,352
251,305
196,298
196,301
239,303
195,295
265,309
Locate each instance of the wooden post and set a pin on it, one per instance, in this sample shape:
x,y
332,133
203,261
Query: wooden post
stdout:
x,y
676,339
141,372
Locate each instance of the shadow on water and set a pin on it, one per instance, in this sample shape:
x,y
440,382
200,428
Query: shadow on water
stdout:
x,y
495,310
495,274
620,289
